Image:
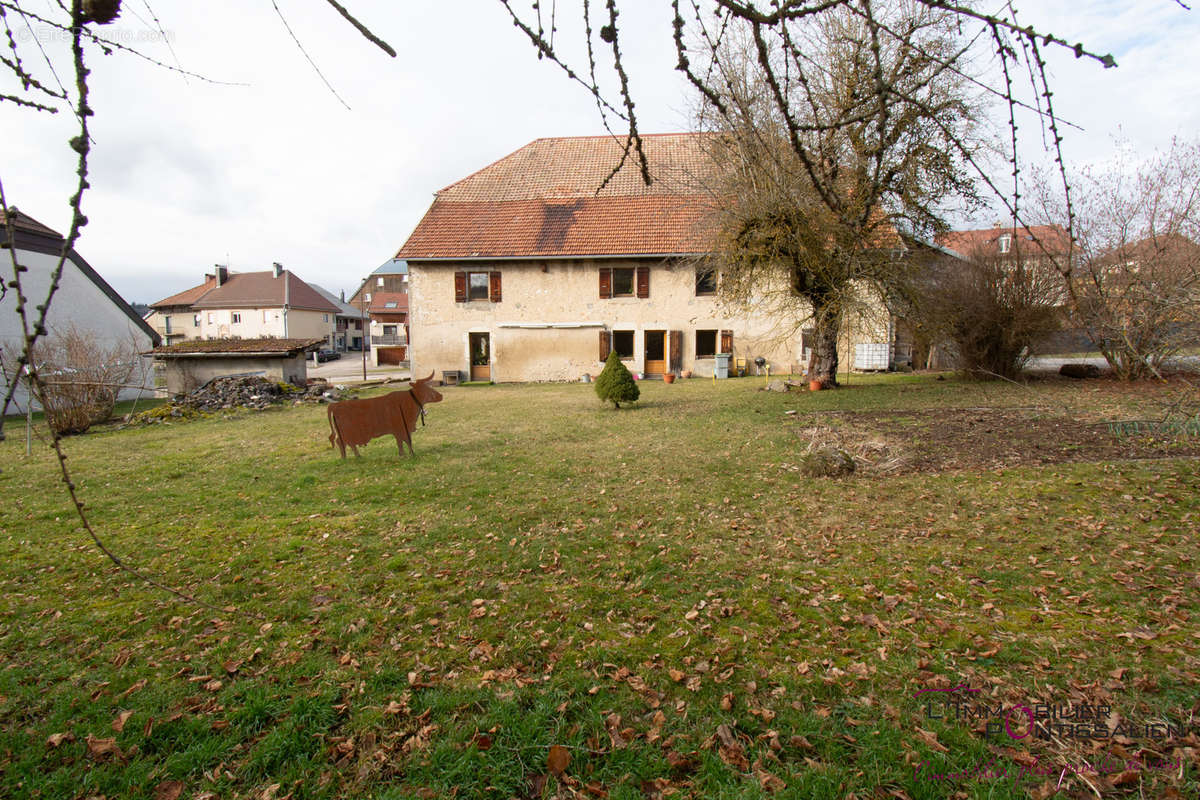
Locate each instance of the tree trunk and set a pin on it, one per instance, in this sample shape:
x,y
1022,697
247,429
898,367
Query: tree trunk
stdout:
x,y
827,323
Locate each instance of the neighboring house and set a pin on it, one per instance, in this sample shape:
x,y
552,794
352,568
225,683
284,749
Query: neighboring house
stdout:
x,y
525,271
1035,244
84,300
348,328
173,316
389,327
189,365
391,276
250,305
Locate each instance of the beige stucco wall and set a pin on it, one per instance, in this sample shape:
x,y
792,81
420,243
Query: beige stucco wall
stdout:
x,y
259,323
566,294
180,328
188,374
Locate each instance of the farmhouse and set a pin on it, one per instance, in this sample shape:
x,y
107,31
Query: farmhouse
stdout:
x,y
527,270
84,301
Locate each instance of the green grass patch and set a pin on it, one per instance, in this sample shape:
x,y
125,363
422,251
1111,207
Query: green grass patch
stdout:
x,y
652,588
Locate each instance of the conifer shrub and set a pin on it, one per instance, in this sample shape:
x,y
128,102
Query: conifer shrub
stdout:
x,y
615,383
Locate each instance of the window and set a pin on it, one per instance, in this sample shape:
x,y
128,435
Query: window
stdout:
x,y
210,317
234,317
389,330
623,343
622,285
470,286
324,318
706,344
379,281
477,286
167,324
391,304
619,341
706,282
624,282
1005,243
195,320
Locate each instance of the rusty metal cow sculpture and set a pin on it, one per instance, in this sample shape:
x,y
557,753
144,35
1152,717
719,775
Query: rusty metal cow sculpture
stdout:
x,y
356,422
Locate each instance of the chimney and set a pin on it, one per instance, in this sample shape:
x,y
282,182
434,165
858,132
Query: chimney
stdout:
x,y
222,274
277,268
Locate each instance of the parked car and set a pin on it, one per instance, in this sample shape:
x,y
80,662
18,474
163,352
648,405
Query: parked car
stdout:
x,y
328,355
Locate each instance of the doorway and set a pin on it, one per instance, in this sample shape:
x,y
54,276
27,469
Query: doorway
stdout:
x,y
656,357
481,356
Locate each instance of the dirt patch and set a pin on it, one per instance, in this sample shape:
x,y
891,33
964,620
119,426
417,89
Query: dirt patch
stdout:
x,y
950,439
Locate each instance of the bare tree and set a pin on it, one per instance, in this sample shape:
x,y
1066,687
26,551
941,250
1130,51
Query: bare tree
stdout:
x,y
807,236
81,378
1133,277
990,310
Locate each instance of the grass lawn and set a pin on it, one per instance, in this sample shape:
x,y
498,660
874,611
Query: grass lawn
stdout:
x,y
658,590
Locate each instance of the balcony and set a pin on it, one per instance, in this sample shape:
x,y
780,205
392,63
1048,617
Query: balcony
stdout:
x,y
389,339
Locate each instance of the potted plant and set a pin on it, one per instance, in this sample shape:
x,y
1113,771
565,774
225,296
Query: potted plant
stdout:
x,y
668,377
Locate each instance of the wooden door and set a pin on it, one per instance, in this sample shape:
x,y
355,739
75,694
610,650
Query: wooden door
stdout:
x,y
481,357
656,353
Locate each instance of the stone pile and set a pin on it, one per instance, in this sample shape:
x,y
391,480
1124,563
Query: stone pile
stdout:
x,y
247,391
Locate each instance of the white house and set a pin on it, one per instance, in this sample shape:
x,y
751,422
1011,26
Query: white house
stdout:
x,y
84,301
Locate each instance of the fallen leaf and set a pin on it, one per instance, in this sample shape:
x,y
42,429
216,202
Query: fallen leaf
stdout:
x,y
558,760
118,724
55,739
101,749
168,790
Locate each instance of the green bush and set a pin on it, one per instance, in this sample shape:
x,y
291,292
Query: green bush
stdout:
x,y
615,383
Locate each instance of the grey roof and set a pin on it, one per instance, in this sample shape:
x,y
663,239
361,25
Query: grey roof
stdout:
x,y
344,308
393,266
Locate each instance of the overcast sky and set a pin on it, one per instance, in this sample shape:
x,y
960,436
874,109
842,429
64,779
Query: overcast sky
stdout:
x,y
187,174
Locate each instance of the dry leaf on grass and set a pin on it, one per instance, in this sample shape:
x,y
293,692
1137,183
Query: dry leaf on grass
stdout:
x,y
558,760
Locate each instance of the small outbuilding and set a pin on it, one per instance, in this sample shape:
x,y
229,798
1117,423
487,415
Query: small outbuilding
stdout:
x,y
189,365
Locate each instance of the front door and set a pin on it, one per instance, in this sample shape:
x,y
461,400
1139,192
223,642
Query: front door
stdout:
x,y
481,357
656,355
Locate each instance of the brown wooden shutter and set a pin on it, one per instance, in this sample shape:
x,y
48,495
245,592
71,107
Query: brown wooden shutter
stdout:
x,y
643,282
605,344
726,342
460,287
676,350
494,287
605,284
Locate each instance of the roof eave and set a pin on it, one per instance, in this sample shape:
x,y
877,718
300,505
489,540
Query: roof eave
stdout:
x,y
556,257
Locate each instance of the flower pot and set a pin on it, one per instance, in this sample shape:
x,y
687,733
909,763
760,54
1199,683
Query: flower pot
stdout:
x,y
669,378
815,386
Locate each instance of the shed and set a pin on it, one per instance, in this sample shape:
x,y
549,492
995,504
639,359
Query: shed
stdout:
x,y
189,365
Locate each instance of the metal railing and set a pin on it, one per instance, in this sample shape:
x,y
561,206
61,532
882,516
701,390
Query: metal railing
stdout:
x,y
391,338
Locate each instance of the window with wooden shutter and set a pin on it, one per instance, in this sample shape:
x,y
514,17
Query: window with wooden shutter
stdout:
x,y
460,287
643,282
605,344
726,341
605,284
494,287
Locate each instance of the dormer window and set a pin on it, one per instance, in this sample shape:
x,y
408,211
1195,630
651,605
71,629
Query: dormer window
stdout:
x,y
1005,242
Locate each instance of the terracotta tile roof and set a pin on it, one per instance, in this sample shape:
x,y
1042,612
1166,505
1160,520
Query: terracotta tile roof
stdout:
x,y
542,201
986,240
264,290
188,296
379,301
197,347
